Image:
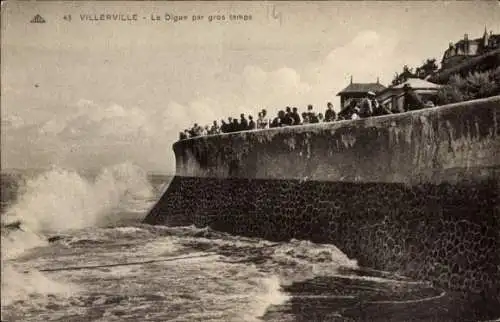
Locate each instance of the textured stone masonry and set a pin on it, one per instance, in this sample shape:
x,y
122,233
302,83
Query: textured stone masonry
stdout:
x,y
416,193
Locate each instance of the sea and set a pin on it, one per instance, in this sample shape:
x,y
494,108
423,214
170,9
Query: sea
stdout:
x,y
74,248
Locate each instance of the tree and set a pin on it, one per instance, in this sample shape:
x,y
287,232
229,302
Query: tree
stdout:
x,y
475,85
401,78
428,68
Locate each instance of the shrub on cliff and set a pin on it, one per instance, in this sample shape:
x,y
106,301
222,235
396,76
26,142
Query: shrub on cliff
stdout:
x,y
475,85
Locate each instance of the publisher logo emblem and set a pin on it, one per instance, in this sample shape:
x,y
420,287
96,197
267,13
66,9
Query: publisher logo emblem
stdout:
x,y
37,19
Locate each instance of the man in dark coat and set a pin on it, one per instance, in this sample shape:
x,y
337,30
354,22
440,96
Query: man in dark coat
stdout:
x,y
330,113
215,128
278,121
230,125
192,131
251,123
243,123
366,105
305,118
349,109
296,117
275,122
288,119
236,126
379,109
223,126
412,101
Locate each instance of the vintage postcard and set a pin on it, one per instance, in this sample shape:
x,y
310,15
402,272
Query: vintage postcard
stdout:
x,y
250,161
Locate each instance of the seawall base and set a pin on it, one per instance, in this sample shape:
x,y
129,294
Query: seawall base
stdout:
x,y
447,234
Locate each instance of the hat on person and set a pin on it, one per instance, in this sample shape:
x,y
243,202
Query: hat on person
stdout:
x,y
370,93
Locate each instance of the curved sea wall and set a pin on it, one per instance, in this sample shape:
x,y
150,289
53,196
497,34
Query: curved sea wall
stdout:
x,y
416,193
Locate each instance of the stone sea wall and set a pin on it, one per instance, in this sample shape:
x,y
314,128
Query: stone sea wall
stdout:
x,y
416,193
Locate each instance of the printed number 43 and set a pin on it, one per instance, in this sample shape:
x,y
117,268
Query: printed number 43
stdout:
x,y
67,17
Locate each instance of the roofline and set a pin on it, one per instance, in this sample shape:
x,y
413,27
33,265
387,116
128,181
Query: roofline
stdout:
x,y
413,88
364,92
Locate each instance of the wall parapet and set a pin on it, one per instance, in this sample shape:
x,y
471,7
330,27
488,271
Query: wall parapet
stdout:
x,y
429,145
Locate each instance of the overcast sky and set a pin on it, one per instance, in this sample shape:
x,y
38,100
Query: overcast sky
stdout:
x,y
86,94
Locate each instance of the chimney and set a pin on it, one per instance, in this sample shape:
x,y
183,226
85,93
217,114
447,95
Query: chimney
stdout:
x,y
351,79
466,37
378,80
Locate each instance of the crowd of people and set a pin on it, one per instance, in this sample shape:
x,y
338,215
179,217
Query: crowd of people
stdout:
x,y
354,109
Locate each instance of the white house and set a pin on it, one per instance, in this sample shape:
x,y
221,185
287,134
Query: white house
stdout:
x,y
393,96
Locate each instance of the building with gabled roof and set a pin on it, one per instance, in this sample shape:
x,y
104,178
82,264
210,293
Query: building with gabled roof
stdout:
x,y
357,91
466,48
393,96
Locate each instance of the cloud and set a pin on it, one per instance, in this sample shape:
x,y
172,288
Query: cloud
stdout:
x,y
367,56
89,131
366,39
88,120
275,88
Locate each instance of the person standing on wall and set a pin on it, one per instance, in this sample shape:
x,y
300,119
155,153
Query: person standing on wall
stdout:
x,y
366,106
379,109
236,125
350,109
251,123
260,121
305,118
265,120
230,126
330,113
223,126
243,126
215,128
288,119
412,101
313,118
296,117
